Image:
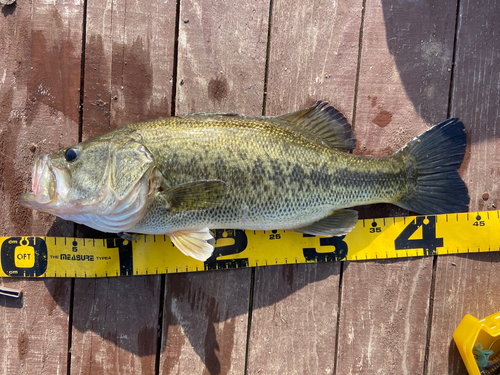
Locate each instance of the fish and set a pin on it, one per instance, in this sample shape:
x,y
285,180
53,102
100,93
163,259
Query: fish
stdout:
x,y
183,176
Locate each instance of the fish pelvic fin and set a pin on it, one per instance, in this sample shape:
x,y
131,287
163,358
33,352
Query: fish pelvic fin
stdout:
x,y
340,222
433,158
198,244
323,125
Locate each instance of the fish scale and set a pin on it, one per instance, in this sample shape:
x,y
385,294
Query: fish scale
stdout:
x,y
272,174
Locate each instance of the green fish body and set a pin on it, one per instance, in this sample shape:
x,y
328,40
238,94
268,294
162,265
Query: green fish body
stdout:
x,y
183,175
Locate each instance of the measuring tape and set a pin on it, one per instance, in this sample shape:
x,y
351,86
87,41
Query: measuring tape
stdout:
x,y
397,237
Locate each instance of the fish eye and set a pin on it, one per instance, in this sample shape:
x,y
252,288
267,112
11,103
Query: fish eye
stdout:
x,y
71,154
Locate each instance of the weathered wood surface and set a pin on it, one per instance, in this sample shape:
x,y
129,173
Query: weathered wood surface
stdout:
x,y
312,55
221,66
294,320
40,48
129,59
368,317
405,71
468,283
205,323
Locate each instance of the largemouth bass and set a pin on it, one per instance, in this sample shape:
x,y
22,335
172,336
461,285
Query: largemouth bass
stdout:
x,y
182,176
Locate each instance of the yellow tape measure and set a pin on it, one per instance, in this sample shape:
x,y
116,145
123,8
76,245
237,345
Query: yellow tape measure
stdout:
x,y
371,239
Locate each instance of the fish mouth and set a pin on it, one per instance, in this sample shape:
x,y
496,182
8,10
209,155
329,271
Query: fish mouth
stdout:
x,y
48,185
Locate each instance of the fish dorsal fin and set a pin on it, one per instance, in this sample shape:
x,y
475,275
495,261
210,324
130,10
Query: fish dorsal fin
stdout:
x,y
339,222
196,195
198,244
323,125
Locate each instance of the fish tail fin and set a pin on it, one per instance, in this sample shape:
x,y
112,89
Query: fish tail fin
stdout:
x,y
433,158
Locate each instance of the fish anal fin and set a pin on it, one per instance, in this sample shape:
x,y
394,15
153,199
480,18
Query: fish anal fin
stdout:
x,y
198,244
197,195
340,222
323,125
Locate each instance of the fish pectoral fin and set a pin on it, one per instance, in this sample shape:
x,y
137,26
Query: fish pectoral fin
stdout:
x,y
198,244
128,236
340,222
197,195
323,125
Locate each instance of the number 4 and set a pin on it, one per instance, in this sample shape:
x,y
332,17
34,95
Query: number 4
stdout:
x,y
429,242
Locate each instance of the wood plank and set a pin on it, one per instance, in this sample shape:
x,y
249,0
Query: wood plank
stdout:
x,y
128,70
39,99
294,320
465,284
403,85
34,329
221,68
222,56
205,323
313,56
115,325
128,63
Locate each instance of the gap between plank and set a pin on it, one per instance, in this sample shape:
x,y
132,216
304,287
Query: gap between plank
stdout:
x,y
268,52
249,324
337,329
176,55
353,123
358,69
159,338
453,62
431,311
163,288
80,136
82,72
435,260
70,324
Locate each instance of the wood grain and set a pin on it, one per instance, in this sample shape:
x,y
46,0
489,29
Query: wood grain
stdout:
x,y
221,66
115,325
205,323
403,87
313,56
128,63
39,99
34,328
294,320
40,46
467,284
128,72
222,56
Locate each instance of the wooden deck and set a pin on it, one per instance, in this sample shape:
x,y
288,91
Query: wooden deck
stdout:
x,y
392,67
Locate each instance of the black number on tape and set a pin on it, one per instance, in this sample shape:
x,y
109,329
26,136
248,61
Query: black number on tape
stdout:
x,y
240,244
429,242
24,256
338,254
125,254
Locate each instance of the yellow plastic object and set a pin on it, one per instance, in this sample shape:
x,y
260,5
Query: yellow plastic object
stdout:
x,y
471,331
